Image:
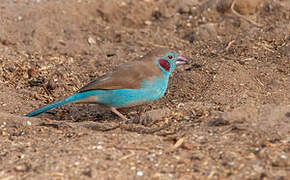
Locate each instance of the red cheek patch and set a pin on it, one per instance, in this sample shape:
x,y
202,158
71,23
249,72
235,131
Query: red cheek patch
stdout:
x,y
164,64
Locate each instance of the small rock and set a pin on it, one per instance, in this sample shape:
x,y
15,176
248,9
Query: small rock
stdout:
x,y
223,6
6,42
98,147
157,14
180,105
51,85
37,81
3,124
283,156
148,23
123,4
188,146
19,133
220,121
28,123
32,72
184,9
118,37
139,173
150,158
154,115
91,41
87,173
22,168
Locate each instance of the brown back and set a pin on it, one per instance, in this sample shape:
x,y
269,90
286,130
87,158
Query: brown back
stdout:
x,y
129,76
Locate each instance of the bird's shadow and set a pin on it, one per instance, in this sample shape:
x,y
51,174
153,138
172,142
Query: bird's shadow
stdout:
x,y
89,112
79,112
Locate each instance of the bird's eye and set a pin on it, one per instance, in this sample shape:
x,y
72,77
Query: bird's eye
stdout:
x,y
170,57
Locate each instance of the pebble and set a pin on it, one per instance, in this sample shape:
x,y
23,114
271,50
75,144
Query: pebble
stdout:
x,y
32,72
283,156
99,147
3,125
139,173
91,41
150,158
148,22
183,9
180,105
28,123
21,168
51,85
123,4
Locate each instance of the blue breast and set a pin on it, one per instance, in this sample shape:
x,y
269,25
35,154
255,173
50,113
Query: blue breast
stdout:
x,y
150,90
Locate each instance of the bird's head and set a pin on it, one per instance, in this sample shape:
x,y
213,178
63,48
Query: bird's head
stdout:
x,y
170,61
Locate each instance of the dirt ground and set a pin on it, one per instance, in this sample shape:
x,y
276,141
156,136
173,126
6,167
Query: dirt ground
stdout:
x,y
225,115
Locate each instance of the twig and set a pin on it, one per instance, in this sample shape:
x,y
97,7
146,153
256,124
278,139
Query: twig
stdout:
x,y
178,143
140,148
243,17
132,153
230,45
143,130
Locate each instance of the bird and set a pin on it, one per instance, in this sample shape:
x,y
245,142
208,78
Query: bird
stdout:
x,y
135,83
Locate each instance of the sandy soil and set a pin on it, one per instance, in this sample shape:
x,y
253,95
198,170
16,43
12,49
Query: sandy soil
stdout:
x,y
225,115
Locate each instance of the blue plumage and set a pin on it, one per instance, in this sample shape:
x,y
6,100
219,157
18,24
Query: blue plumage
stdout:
x,y
149,91
73,98
130,85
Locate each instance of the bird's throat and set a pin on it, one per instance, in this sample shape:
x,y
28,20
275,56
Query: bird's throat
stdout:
x,y
164,64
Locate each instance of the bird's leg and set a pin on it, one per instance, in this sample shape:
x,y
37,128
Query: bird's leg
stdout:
x,y
114,110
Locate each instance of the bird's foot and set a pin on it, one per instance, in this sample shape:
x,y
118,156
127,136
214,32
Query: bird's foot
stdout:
x,y
114,110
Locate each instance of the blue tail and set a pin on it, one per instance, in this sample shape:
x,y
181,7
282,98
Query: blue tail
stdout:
x,y
67,100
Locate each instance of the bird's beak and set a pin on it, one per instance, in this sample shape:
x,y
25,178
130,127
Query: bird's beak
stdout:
x,y
180,61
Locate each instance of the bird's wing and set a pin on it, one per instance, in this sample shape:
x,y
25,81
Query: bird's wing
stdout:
x,y
128,76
